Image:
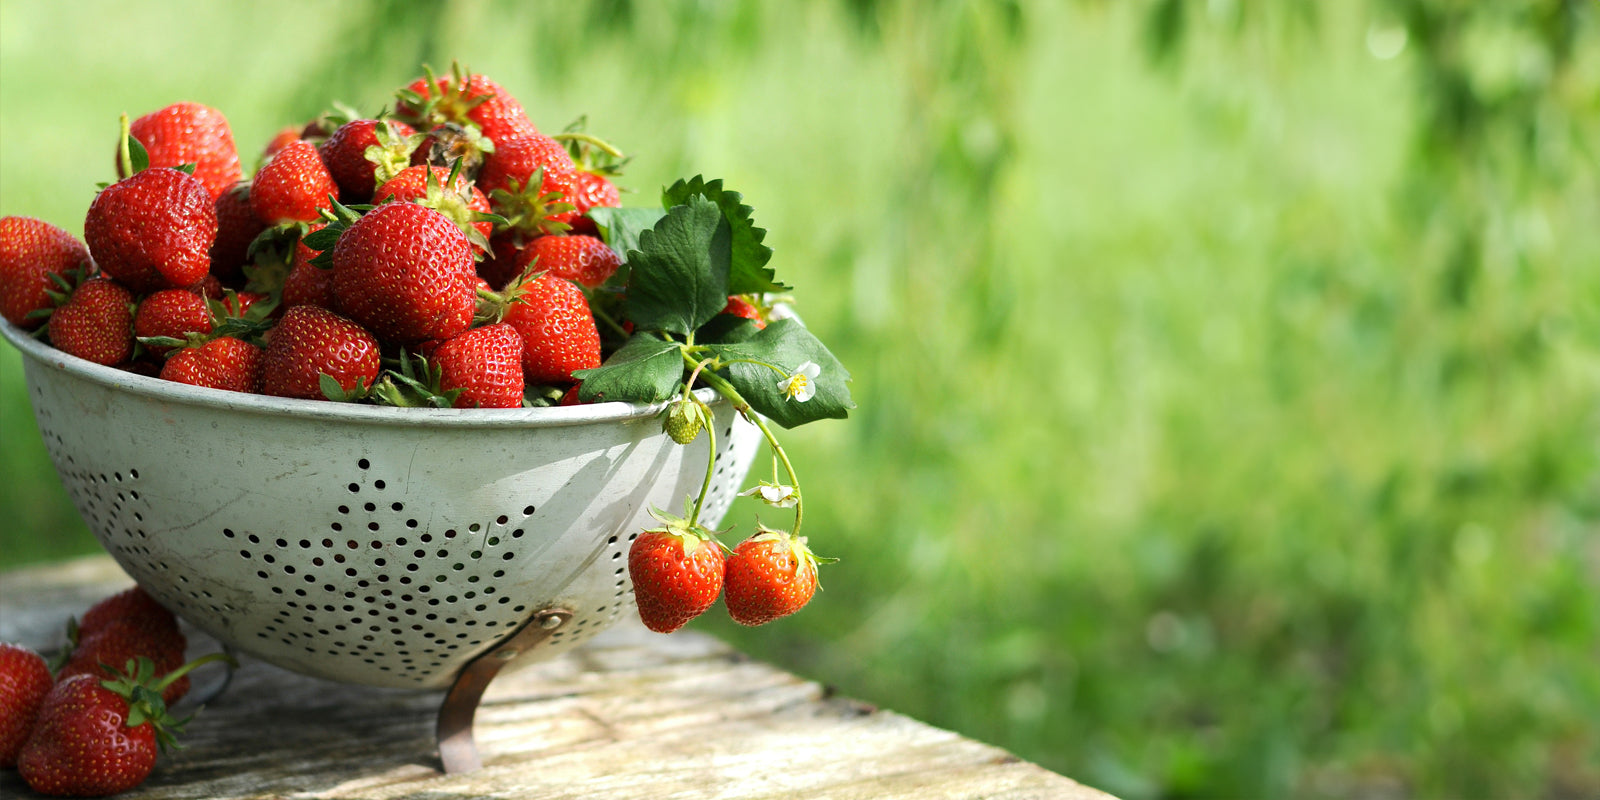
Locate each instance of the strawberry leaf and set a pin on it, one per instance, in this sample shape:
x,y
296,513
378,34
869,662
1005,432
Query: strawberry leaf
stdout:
x,y
647,369
786,344
678,278
620,227
748,271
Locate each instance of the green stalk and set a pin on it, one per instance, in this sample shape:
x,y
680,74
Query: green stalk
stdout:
x,y
741,405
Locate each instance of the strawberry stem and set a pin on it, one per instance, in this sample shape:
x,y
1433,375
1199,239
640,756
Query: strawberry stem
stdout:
x,y
124,152
741,405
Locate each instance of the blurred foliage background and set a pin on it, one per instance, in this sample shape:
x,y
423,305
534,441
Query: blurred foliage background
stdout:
x,y
1227,370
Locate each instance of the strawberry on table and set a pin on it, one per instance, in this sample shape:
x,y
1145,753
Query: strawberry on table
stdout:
x,y
24,681
95,323
97,736
405,273
310,342
32,250
190,133
153,230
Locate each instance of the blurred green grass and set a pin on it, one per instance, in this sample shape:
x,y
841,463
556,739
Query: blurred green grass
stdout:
x,y
1194,457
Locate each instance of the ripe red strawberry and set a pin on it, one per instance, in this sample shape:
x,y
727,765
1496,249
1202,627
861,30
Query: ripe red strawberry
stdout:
x,y
225,363
171,313
740,307
24,681
345,153
153,230
133,604
96,323
580,258
405,272
190,133
283,137
97,737
676,571
237,227
293,187
427,186
485,363
769,575
310,341
528,180
127,625
31,251
463,99
307,284
557,328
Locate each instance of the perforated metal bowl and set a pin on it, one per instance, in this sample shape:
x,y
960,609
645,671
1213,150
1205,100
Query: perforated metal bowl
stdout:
x,y
386,547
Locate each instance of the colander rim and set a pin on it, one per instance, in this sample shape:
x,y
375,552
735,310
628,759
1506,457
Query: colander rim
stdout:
x,y
47,357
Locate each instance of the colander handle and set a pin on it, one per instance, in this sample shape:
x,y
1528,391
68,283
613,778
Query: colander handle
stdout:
x,y
457,749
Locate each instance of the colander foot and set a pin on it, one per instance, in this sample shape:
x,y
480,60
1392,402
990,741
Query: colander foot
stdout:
x,y
457,750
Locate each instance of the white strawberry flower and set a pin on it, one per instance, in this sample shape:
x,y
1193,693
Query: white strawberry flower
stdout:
x,y
799,386
776,495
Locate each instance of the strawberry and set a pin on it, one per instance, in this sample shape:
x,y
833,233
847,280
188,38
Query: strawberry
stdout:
x,y
353,163
405,272
24,681
97,737
486,364
124,626
431,187
310,342
528,180
95,323
739,306
580,258
172,314
153,230
190,133
306,283
558,330
769,575
292,187
676,571
31,251
237,227
463,99
225,363
129,605
281,139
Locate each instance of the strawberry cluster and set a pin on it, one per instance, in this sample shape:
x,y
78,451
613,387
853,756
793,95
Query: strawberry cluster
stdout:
x,y
436,253
95,724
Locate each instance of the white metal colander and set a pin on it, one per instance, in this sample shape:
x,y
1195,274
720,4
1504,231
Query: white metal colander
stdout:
x,y
379,546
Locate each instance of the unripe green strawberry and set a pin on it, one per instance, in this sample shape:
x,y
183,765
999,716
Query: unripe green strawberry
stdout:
x,y
682,421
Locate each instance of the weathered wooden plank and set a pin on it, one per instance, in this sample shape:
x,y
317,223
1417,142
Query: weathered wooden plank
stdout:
x,y
630,714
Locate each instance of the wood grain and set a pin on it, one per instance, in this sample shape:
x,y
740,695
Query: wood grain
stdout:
x,y
630,714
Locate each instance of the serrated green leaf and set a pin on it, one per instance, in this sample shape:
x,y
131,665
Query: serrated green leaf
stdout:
x,y
679,275
620,227
647,369
748,272
786,344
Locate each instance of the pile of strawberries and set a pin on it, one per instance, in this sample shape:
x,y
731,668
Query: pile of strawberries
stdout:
x,y
436,253
94,724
